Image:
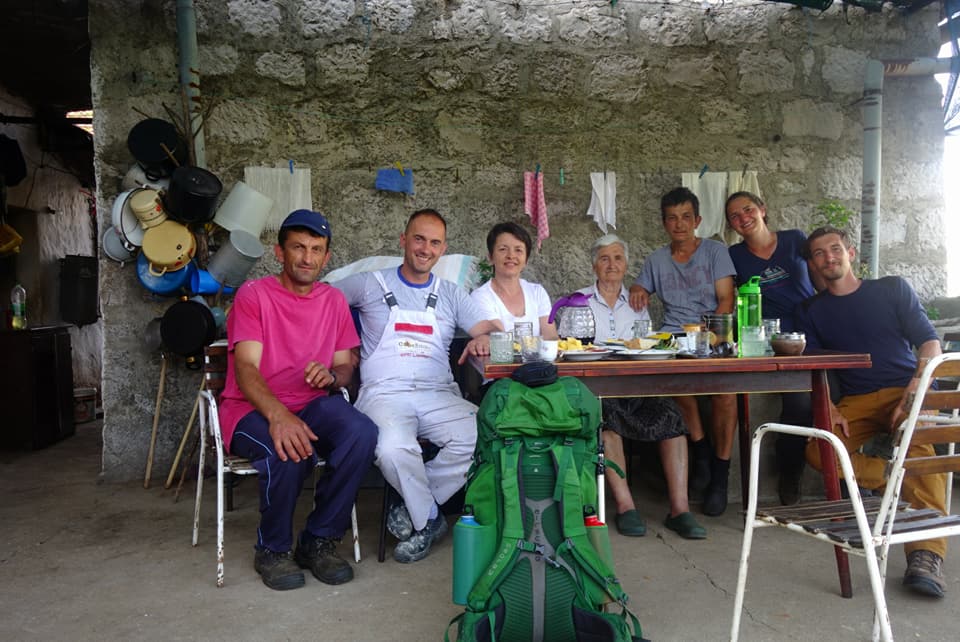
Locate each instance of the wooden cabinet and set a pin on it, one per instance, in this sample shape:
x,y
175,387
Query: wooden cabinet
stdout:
x,y
36,387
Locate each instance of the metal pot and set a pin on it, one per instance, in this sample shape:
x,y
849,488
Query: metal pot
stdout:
x,y
187,326
116,248
235,258
146,142
192,196
169,247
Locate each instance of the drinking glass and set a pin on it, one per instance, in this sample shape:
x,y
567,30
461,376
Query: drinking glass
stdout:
x,y
501,347
522,329
642,328
772,328
753,341
529,348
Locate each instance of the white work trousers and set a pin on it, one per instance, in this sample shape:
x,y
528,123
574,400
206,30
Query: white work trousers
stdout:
x,y
439,415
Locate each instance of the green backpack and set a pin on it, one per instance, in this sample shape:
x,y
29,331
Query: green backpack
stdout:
x,y
532,483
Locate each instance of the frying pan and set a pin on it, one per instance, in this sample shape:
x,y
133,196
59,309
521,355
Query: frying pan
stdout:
x,y
186,327
146,141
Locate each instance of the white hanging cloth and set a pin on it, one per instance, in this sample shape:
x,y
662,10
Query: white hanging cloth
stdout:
x,y
289,189
603,201
711,190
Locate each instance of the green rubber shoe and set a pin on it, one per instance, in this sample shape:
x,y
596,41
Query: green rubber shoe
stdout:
x,y
630,523
686,526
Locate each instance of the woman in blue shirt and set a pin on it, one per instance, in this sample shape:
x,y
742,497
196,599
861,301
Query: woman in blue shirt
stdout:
x,y
784,283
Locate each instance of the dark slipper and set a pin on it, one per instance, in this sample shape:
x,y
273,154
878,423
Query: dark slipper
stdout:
x,y
685,525
630,523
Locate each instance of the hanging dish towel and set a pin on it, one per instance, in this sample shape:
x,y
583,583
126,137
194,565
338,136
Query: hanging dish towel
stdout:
x,y
391,179
289,190
535,205
603,201
711,190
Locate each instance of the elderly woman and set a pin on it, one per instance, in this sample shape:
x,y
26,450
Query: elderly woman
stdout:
x,y
784,283
644,419
506,296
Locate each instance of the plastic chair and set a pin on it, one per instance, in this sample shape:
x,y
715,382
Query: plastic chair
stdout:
x,y
868,527
214,372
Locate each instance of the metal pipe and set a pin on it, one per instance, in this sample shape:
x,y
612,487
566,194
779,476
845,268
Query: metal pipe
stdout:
x,y
190,78
872,130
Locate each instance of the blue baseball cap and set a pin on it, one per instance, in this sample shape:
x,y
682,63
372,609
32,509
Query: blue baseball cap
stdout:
x,y
313,221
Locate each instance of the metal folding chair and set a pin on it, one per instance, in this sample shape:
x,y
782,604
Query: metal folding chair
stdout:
x,y
214,372
868,527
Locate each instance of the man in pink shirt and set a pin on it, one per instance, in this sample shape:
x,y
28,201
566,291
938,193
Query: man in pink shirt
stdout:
x,y
292,345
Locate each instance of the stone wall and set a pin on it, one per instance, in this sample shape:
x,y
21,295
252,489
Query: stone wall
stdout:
x,y
471,94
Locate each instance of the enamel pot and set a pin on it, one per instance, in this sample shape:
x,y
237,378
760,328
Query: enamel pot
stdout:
x,y
164,283
192,196
116,248
146,142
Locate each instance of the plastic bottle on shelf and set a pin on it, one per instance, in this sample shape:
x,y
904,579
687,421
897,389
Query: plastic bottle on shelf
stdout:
x,y
18,308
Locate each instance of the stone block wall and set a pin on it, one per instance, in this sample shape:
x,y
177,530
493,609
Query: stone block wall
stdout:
x,y
471,94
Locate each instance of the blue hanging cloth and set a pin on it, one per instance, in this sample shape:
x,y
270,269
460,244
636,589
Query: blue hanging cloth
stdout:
x,y
393,179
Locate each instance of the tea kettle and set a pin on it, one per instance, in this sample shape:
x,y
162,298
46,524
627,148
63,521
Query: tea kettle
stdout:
x,y
574,318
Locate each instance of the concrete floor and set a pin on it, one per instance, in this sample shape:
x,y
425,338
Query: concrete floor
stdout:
x,y
86,560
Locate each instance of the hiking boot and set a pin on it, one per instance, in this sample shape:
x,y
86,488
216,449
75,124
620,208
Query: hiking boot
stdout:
x,y
788,488
699,465
417,546
715,497
924,573
277,570
319,554
398,521
631,524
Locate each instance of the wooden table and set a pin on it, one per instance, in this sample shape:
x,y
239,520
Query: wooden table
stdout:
x,y
678,377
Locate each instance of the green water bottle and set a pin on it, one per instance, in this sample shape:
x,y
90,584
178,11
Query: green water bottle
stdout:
x,y
474,545
748,309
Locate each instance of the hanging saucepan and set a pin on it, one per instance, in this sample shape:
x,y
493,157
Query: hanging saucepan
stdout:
x,y
146,142
116,248
165,283
169,247
126,222
147,207
192,196
136,177
235,258
187,327
151,335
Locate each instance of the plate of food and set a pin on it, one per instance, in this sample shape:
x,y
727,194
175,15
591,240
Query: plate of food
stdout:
x,y
650,354
593,354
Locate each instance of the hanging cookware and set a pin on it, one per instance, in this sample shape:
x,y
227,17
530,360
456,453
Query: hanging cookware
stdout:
x,y
187,327
245,209
168,247
136,177
574,318
192,196
151,335
146,205
116,248
165,283
126,222
146,141
234,260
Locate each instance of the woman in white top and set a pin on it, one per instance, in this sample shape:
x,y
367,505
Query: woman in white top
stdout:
x,y
506,296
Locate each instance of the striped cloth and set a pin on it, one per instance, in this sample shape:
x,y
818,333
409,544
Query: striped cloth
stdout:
x,y
534,204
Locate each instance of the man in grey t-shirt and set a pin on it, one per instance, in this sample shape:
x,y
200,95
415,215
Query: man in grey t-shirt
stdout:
x,y
408,317
693,277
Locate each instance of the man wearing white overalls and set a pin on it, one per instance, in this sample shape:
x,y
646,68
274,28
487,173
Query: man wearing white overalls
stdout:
x,y
408,318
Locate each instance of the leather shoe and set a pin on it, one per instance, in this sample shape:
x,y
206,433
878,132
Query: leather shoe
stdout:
x,y
788,488
686,526
631,524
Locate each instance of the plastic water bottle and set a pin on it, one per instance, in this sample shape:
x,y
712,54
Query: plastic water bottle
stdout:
x,y
473,548
748,309
18,308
